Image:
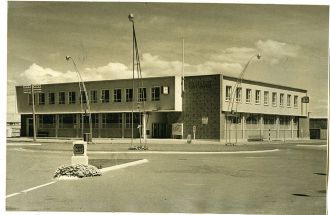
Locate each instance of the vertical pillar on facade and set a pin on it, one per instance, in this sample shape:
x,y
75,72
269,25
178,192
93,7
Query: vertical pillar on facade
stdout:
x,y
261,124
57,119
77,125
291,123
226,127
243,126
144,126
277,127
123,120
100,124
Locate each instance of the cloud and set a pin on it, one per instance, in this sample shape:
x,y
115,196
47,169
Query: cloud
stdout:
x,y
155,66
107,72
235,55
36,74
274,51
230,62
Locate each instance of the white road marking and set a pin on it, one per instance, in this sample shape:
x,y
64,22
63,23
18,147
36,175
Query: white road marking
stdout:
x,y
13,194
134,163
23,144
30,189
189,153
37,187
311,145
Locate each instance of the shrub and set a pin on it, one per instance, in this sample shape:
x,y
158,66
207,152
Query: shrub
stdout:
x,y
77,170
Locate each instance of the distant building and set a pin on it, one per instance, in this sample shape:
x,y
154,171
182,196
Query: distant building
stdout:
x,y
210,105
318,128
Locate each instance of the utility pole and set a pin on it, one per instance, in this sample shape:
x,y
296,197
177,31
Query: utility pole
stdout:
x,y
34,114
31,90
136,62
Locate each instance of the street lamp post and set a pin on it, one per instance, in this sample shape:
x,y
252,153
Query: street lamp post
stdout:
x,y
131,19
136,62
233,96
86,96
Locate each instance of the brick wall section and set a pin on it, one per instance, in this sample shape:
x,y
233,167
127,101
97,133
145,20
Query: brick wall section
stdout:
x,y
202,99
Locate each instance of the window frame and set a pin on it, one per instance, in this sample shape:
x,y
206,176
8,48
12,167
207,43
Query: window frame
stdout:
x,y
51,102
238,95
258,97
70,95
129,90
153,92
266,98
295,101
103,100
117,99
39,99
144,90
288,100
274,99
61,101
93,99
281,99
248,95
228,92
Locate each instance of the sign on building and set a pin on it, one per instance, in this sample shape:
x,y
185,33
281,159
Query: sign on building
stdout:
x,y
205,120
305,99
177,129
36,88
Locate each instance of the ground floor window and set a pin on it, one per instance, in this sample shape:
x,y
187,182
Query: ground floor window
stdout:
x,y
295,122
285,122
67,121
95,120
111,120
47,121
128,120
252,119
235,119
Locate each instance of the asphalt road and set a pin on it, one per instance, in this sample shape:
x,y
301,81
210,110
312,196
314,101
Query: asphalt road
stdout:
x,y
288,181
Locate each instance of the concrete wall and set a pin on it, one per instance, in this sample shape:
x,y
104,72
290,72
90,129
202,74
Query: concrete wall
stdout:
x,y
303,130
252,107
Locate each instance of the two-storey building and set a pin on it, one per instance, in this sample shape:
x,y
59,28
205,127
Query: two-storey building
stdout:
x,y
213,106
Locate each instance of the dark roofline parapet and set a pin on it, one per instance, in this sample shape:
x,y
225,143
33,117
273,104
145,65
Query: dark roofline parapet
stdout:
x,y
266,84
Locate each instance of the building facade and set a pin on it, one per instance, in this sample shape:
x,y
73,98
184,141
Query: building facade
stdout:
x,y
318,128
208,106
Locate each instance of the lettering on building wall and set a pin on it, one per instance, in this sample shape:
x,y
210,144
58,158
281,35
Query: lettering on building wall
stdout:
x,y
199,84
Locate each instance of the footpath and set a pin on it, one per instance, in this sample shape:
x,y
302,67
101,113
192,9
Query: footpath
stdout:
x,y
156,145
158,141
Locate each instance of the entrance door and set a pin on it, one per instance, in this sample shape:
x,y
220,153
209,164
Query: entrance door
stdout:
x,y
29,127
159,130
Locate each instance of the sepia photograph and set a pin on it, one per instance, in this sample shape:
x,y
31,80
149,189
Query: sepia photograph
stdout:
x,y
166,107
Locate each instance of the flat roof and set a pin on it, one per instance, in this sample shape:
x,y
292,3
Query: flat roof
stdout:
x,y
265,84
93,81
224,76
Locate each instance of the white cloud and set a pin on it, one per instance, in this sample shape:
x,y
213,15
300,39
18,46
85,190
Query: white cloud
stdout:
x,y
155,66
107,72
235,55
36,74
274,51
230,62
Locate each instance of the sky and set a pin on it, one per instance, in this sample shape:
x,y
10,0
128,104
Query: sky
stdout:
x,y
219,39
